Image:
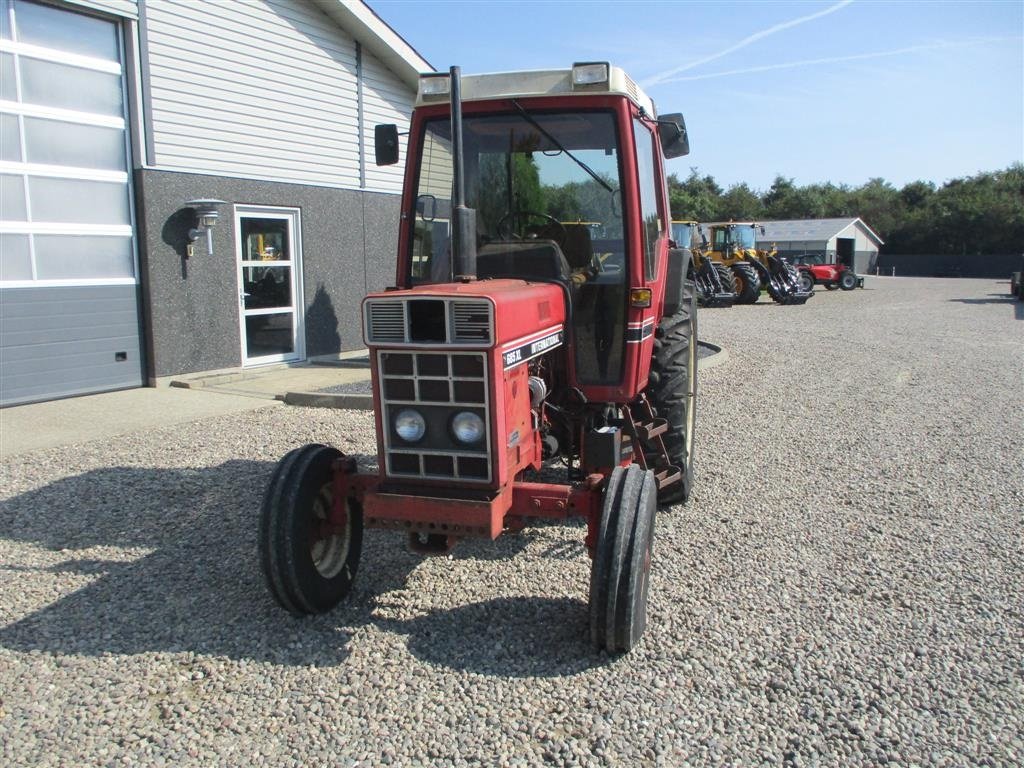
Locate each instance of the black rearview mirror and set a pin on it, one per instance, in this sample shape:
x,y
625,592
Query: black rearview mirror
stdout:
x,y
385,144
674,140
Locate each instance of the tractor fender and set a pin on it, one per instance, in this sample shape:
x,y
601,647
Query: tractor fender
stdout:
x,y
679,261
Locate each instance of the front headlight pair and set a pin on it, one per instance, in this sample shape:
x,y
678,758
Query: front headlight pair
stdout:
x,y
465,426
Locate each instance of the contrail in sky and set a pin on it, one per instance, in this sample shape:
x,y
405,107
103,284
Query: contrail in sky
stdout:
x,y
834,59
662,76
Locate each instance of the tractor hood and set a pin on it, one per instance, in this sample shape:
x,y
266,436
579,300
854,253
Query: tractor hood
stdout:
x,y
476,314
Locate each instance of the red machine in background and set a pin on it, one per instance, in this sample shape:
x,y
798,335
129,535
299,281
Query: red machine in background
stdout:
x,y
813,270
540,320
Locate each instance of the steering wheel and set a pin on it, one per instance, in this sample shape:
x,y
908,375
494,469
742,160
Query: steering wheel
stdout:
x,y
506,225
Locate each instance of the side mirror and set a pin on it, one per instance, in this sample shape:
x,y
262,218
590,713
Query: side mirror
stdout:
x,y
675,142
385,144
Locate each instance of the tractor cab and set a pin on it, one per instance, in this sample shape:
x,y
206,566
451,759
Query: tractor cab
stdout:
x,y
547,189
734,240
684,233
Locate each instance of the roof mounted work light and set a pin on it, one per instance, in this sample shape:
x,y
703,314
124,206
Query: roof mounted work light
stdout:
x,y
589,73
436,85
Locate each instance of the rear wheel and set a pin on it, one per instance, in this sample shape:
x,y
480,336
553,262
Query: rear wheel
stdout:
x,y
847,281
309,554
673,391
748,284
619,575
806,281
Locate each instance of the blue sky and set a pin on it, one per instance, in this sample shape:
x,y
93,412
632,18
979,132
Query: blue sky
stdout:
x,y
816,91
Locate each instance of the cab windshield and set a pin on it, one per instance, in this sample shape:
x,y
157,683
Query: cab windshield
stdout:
x,y
743,236
547,176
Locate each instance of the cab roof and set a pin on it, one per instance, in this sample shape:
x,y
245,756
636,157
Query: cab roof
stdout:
x,y
541,82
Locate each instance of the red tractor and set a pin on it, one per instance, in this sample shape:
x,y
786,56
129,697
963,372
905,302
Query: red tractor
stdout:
x,y
515,341
813,270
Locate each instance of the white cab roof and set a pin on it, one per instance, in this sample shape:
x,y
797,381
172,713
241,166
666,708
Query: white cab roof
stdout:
x,y
543,82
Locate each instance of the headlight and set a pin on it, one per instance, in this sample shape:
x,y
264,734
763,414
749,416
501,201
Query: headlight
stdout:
x,y
410,425
467,427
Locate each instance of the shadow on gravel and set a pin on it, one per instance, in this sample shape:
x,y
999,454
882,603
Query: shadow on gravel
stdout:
x,y
505,637
997,298
195,586
194,583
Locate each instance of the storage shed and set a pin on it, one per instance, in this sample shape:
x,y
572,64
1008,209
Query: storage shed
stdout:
x,y
842,241
189,186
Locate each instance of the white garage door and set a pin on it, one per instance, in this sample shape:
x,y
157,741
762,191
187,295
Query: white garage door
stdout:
x,y
69,320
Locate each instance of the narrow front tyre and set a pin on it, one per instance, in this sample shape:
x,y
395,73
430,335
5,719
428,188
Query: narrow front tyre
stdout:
x,y
620,573
309,546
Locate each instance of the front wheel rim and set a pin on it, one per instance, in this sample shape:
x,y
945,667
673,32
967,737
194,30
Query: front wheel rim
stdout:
x,y
329,542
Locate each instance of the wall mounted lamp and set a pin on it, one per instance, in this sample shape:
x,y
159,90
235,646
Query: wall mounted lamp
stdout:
x,y
207,212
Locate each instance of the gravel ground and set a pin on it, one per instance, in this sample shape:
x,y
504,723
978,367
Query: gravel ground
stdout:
x,y
845,587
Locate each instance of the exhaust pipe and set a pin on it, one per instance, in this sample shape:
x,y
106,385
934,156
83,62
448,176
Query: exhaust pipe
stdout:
x,y
463,222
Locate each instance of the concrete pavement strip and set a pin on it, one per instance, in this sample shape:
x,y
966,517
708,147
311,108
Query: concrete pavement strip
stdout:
x,y
190,398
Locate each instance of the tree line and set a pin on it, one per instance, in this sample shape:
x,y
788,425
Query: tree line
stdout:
x,y
978,214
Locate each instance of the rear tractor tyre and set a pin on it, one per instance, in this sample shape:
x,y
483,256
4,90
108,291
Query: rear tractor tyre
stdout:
x,y
748,284
673,391
620,573
309,559
847,281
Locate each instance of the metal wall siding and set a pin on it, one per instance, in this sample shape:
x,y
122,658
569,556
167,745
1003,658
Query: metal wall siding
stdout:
x,y
385,100
63,340
264,89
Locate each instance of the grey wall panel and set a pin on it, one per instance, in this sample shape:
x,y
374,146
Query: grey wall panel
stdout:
x,y
59,341
192,304
382,223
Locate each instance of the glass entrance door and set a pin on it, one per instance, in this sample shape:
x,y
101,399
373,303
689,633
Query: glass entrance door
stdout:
x,y
269,285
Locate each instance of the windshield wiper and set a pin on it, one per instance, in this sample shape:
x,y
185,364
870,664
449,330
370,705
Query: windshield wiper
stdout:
x,y
529,118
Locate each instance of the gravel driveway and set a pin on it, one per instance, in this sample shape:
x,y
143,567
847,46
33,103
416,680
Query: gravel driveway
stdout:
x,y
845,587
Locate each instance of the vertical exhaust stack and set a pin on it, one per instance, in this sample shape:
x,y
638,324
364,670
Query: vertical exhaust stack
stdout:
x,y
463,218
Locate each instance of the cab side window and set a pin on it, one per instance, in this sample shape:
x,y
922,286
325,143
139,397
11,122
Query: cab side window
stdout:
x,y
652,225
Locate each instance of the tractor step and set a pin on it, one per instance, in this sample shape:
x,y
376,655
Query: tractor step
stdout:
x,y
652,429
666,475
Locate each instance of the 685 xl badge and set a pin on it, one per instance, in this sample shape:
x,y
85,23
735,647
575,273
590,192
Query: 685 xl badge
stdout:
x,y
532,349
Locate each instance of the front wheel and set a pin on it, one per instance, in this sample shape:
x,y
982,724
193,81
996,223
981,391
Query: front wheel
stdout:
x,y
806,281
308,549
847,281
748,284
620,572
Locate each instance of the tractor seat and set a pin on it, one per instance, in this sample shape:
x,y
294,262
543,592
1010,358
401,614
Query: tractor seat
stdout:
x,y
523,260
576,242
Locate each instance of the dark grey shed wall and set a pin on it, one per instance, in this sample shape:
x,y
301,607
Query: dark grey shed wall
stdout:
x,y
349,241
68,340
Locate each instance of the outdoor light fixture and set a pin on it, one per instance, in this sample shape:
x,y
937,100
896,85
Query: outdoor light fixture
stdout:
x,y
206,220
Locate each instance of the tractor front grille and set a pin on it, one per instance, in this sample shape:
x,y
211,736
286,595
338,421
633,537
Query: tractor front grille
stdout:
x,y
429,320
438,385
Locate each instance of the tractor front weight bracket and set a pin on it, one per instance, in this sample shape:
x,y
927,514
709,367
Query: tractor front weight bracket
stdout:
x,y
436,518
